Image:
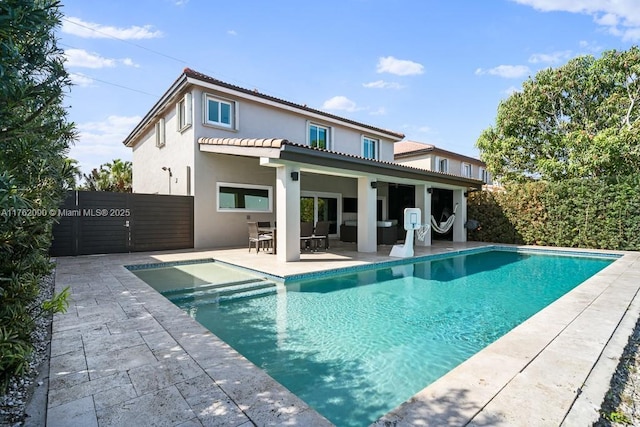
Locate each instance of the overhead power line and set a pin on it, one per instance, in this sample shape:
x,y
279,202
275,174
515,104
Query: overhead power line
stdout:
x,y
173,58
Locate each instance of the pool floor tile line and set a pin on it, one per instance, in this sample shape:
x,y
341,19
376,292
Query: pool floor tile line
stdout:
x,y
124,355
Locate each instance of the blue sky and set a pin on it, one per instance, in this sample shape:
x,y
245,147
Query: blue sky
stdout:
x,y
433,70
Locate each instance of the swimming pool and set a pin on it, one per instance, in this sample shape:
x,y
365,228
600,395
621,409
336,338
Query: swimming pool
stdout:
x,y
355,346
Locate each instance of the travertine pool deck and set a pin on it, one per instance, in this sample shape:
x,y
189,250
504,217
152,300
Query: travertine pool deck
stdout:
x,y
123,355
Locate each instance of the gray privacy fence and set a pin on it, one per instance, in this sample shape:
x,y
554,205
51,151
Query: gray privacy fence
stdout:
x,y
100,222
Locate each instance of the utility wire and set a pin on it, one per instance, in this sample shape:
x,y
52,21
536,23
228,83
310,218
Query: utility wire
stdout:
x,y
117,85
173,58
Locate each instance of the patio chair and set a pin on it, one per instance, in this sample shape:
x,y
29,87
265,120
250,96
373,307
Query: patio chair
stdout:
x,y
321,233
257,238
264,225
306,234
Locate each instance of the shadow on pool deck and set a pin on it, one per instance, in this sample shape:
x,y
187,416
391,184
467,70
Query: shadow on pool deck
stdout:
x,y
124,355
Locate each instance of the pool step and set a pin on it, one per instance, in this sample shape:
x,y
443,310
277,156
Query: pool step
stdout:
x,y
217,293
200,289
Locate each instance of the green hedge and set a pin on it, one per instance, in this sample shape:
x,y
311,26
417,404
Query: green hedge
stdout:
x,y
595,214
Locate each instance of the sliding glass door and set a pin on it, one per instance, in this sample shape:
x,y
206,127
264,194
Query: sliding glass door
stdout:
x,y
316,207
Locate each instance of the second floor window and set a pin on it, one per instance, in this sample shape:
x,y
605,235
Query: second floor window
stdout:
x,y
466,170
160,133
183,112
319,136
443,165
219,112
484,175
369,148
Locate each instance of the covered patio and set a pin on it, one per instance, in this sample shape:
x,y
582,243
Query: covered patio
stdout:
x,y
294,163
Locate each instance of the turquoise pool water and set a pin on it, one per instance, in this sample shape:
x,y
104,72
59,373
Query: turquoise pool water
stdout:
x,y
357,345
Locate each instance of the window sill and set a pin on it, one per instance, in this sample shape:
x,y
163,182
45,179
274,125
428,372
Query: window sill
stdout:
x,y
214,126
185,128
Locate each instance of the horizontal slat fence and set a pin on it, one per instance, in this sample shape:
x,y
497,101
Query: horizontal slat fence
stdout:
x,y
99,222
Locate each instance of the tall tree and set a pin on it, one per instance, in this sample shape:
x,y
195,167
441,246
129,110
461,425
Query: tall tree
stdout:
x,y
576,121
115,176
34,139
70,174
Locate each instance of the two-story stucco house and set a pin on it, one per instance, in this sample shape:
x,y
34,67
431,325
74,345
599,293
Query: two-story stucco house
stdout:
x,y
247,156
430,157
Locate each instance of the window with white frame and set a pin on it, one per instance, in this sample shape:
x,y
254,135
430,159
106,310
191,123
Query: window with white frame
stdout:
x,y
370,148
219,112
184,112
484,175
466,170
443,165
232,197
161,137
319,136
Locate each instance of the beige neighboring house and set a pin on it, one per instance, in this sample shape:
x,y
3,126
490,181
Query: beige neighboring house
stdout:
x,y
247,156
430,157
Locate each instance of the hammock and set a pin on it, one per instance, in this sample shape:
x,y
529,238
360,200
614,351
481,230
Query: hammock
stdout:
x,y
444,227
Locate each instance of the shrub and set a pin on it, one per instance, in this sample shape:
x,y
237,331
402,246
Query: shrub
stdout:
x,y
586,213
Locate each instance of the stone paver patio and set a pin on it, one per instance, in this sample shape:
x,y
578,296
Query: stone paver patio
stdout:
x,y
123,355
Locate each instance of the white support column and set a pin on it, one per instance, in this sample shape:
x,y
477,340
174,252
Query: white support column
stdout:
x,y
423,201
459,232
287,214
367,233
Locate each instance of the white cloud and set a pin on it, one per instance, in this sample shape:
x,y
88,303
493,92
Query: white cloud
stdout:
x,y
550,58
232,32
101,142
590,46
80,28
80,80
340,103
399,67
381,84
82,58
379,112
129,62
506,71
619,17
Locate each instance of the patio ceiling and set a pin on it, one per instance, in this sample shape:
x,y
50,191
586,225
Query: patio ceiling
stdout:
x,y
279,152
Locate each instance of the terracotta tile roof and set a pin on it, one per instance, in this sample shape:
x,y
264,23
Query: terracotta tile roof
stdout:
x,y
203,77
410,146
244,142
404,149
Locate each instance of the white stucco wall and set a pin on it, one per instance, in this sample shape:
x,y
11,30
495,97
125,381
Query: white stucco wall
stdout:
x,y
229,229
422,162
257,120
225,229
429,162
177,154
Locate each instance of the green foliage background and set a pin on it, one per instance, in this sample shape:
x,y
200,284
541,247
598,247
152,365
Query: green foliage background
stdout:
x,y
34,140
585,213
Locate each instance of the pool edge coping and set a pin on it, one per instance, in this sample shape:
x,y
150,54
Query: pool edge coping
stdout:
x,y
190,321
